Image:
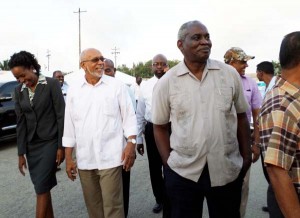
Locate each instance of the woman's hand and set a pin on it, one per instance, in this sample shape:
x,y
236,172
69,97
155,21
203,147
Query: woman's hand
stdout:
x,y
22,164
60,156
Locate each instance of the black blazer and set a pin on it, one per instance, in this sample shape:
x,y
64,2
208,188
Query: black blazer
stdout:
x,y
45,117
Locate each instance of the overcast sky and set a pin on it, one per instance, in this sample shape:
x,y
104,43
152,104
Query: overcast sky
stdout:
x,y
142,28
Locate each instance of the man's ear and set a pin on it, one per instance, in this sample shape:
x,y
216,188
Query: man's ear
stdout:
x,y
115,69
82,65
179,44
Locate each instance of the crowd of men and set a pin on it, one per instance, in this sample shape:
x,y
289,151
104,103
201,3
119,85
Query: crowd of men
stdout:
x,y
195,120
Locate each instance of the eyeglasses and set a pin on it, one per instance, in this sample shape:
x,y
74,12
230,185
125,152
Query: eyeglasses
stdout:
x,y
95,60
162,64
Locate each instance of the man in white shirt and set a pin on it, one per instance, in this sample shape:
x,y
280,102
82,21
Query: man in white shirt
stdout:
x,y
144,119
110,70
265,73
136,87
98,114
61,78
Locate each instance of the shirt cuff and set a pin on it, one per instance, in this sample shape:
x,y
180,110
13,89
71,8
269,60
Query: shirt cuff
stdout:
x,y
68,142
139,140
130,131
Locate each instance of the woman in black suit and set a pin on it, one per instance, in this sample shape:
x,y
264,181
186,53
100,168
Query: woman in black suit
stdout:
x,y
40,115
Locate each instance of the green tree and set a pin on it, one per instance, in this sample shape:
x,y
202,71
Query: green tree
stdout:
x,y
172,63
277,67
142,69
4,65
124,69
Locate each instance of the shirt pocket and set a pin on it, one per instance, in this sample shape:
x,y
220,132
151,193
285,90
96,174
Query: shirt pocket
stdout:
x,y
110,107
224,98
181,122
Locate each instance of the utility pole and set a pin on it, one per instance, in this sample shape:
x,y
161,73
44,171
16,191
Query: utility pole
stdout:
x,y
48,56
115,52
79,12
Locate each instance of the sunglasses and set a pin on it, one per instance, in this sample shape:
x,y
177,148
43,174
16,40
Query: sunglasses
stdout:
x,y
96,59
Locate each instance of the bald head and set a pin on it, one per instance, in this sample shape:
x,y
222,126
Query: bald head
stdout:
x,y
159,57
109,68
86,53
159,65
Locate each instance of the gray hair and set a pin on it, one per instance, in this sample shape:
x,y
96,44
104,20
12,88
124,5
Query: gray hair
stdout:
x,y
84,52
183,29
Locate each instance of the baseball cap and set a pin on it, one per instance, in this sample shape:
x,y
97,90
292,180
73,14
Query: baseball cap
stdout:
x,y
236,53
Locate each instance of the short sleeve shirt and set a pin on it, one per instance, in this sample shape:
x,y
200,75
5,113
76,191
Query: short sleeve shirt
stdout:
x,y
252,95
279,127
203,115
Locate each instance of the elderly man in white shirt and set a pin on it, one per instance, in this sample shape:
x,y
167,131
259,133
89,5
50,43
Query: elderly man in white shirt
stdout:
x,y
144,118
99,116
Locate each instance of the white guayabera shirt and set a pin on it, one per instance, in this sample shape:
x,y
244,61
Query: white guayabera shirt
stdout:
x,y
97,120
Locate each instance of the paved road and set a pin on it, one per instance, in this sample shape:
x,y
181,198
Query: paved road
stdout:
x,y
17,198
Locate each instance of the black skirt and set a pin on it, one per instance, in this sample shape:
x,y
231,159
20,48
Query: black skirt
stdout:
x,y
41,159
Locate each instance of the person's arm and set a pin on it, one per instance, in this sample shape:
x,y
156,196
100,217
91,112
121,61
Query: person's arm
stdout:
x,y
162,140
141,122
256,140
284,190
161,111
71,167
59,107
21,133
69,138
243,136
129,125
281,149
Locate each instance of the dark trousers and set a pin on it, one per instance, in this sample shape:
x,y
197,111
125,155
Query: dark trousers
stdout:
x,y
126,189
273,206
155,164
186,196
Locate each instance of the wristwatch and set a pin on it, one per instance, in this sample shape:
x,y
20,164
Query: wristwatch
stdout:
x,y
133,141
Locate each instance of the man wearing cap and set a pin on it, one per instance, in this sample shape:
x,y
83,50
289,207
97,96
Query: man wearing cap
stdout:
x,y
237,58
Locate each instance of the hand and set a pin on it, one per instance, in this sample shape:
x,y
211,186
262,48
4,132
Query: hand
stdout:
x,y
255,153
22,164
128,156
140,149
71,169
60,156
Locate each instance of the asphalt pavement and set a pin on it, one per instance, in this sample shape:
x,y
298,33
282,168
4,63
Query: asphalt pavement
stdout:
x,y
17,196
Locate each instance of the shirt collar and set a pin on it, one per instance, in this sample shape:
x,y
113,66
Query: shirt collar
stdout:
x,y
210,65
41,80
104,79
290,88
